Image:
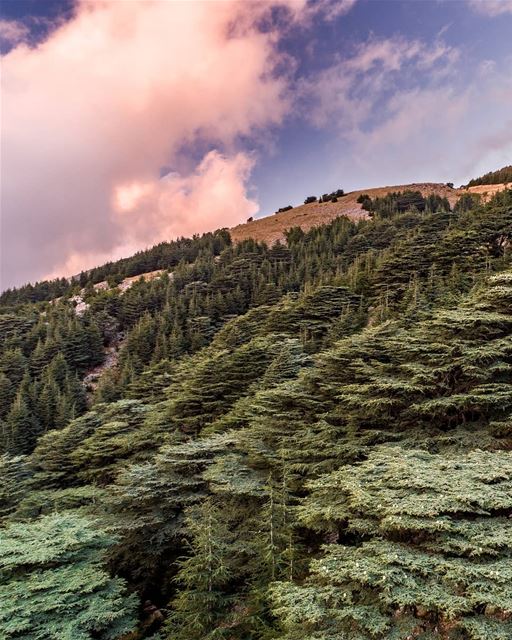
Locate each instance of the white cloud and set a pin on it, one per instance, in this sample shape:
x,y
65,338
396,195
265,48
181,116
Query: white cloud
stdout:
x,y
491,8
359,88
404,111
332,9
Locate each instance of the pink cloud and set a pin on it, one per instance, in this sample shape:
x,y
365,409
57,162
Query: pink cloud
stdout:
x,y
111,97
491,8
12,32
215,192
149,212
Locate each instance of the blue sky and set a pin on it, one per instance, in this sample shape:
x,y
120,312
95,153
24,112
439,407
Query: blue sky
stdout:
x,y
312,159
242,107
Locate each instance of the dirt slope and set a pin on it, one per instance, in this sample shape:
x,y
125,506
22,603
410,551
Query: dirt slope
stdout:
x,y
488,190
272,228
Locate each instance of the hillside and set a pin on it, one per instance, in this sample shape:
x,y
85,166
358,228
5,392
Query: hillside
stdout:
x,y
306,440
272,228
487,191
503,175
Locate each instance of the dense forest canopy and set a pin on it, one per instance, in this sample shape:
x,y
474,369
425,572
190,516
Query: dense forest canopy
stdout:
x,y
501,176
308,441
165,255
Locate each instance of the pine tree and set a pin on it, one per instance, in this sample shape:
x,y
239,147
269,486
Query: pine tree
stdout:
x,y
14,476
47,404
74,392
109,388
6,395
51,569
58,370
419,544
202,604
20,431
13,365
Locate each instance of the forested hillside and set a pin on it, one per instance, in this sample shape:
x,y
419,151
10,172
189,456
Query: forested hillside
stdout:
x,y
493,177
305,441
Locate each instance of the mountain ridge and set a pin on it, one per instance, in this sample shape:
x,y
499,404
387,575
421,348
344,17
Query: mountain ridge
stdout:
x,y
272,228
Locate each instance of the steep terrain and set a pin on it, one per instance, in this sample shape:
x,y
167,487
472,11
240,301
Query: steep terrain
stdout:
x,y
309,440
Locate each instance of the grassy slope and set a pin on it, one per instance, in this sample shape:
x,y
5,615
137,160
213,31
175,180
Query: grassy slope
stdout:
x,y
270,229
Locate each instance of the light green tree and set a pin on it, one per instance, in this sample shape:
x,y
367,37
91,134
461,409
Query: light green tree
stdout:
x,y
53,585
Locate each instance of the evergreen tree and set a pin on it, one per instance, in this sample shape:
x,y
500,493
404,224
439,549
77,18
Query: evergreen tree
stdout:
x,y
13,365
6,395
51,571
202,603
418,544
319,429
20,430
14,476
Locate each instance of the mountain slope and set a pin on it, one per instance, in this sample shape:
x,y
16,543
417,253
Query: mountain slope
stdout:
x,y
486,191
270,229
302,441
503,175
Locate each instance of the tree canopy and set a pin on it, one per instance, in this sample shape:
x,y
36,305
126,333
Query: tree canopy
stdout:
x,y
308,441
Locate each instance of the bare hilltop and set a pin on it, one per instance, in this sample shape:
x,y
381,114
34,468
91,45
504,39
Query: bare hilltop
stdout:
x,y
272,228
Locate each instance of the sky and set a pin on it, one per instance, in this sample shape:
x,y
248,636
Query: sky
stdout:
x,y
125,123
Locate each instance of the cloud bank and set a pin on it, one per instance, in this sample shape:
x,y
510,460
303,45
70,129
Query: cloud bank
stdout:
x,y
112,96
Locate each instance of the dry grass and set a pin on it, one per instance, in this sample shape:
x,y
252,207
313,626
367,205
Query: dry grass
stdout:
x,y
488,190
271,228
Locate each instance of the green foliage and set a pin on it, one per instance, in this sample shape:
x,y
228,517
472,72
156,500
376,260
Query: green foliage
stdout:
x,y
493,177
200,604
467,202
399,202
161,256
14,476
309,440
53,584
333,196
422,542
40,368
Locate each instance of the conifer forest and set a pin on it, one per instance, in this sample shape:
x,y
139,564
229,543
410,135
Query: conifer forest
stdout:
x,y
304,440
